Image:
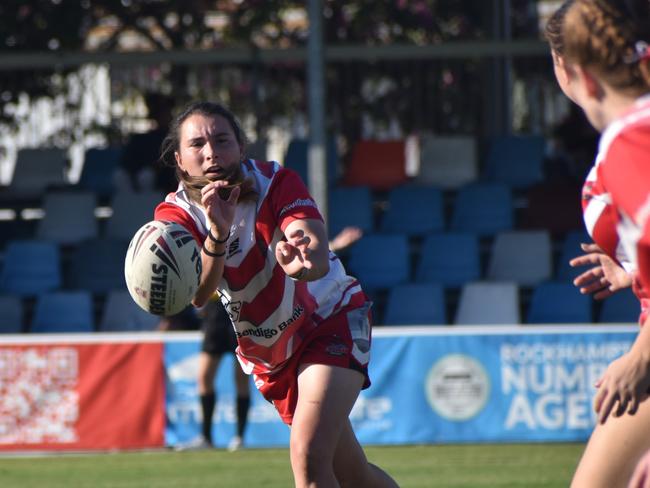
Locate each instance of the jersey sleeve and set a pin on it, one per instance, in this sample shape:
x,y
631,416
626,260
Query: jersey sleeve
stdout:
x,y
290,200
174,213
626,174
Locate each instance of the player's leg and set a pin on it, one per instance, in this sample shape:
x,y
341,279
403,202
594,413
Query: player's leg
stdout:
x,y
326,395
243,405
208,364
613,450
351,466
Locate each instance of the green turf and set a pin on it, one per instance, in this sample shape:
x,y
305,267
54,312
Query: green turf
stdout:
x,y
471,466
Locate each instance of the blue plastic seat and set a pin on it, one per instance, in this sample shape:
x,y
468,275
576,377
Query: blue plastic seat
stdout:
x,y
483,208
36,170
63,311
488,303
559,303
297,157
415,304
414,210
449,258
522,256
98,170
448,162
622,307
30,267
571,249
11,314
122,314
350,206
517,161
97,265
380,260
130,212
69,217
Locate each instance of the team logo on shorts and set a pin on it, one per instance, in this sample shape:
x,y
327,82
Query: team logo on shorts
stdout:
x,y
337,349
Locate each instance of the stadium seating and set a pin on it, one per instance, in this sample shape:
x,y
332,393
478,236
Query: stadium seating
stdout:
x,y
122,314
488,303
37,170
63,311
69,217
297,159
30,267
448,162
415,304
554,206
559,303
570,249
449,258
522,256
380,165
517,161
350,206
97,265
97,173
380,260
130,212
484,208
622,307
11,310
413,210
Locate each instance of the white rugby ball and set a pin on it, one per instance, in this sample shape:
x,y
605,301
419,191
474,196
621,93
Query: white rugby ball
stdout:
x,y
162,267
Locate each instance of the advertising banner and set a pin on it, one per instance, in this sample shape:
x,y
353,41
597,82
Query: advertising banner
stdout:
x,y
68,396
486,385
265,429
435,385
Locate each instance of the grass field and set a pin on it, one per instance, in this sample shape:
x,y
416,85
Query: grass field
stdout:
x,y
458,466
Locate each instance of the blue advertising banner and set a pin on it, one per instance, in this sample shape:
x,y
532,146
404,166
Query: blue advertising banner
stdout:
x,y
436,385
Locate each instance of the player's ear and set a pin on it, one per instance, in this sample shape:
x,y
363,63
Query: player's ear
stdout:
x,y
179,161
593,88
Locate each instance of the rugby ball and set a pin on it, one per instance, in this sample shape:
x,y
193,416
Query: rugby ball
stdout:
x,y
162,267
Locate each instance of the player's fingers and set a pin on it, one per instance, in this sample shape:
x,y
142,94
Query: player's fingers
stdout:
x,y
604,293
590,247
234,195
608,403
633,405
584,260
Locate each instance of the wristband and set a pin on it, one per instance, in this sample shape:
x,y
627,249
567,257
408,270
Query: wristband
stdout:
x,y
214,239
300,275
213,254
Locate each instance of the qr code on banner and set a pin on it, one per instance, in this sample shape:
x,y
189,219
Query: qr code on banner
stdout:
x,y
38,398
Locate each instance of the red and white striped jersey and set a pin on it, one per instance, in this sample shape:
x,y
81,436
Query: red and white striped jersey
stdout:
x,y
271,313
600,217
624,169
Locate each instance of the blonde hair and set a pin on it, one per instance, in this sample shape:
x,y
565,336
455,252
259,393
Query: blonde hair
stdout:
x,y
602,35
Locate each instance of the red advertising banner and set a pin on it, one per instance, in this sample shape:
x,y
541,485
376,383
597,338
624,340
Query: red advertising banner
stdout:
x,y
81,396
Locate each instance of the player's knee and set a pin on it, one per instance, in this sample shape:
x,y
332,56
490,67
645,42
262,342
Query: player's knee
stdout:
x,y
310,458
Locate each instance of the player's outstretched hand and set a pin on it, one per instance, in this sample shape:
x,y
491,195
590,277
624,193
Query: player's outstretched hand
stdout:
x,y
604,278
622,387
294,254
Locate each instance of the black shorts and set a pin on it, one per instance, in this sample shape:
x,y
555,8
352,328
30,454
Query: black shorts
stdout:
x,y
218,333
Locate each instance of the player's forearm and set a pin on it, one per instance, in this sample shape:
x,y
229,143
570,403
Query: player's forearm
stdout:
x,y
213,257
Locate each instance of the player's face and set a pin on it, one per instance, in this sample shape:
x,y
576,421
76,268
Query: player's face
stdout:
x,y
208,147
562,75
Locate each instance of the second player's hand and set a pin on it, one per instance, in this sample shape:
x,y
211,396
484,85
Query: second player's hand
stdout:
x,y
604,278
622,387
